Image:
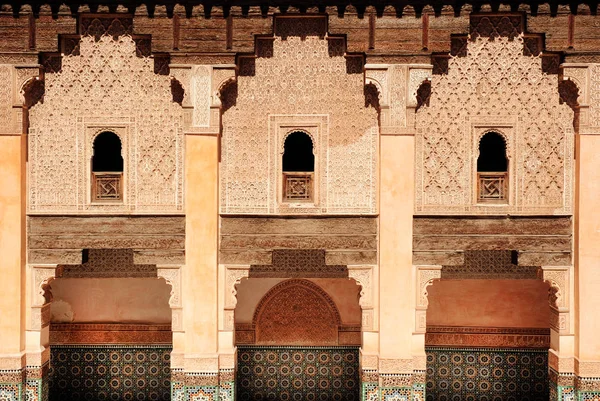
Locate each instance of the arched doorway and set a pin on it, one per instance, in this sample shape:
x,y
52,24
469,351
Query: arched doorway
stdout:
x,y
298,345
488,330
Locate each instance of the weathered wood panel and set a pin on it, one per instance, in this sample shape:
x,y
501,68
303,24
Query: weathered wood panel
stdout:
x,y
251,240
492,226
540,241
293,226
60,239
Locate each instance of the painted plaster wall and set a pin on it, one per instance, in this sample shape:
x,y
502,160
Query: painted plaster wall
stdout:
x,y
344,293
489,303
122,300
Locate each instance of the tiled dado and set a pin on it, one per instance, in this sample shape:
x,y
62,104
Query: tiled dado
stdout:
x,y
486,374
109,372
203,387
298,373
12,384
392,386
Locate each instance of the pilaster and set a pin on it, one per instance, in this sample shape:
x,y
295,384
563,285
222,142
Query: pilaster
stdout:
x,y
587,255
400,360
12,265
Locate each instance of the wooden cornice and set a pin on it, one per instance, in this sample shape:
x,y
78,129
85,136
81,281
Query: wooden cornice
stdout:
x,y
223,8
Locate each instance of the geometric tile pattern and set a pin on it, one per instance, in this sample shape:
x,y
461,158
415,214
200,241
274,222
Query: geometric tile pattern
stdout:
x,y
110,372
10,392
298,373
480,374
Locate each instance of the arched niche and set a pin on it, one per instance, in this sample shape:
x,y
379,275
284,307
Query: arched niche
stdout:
x,y
297,312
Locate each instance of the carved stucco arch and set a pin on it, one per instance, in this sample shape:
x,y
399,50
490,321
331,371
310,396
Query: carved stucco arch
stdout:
x,y
365,277
285,136
557,277
41,295
506,138
297,312
285,286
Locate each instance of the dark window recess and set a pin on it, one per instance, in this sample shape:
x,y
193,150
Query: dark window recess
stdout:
x,y
492,169
492,153
107,153
298,167
107,168
298,153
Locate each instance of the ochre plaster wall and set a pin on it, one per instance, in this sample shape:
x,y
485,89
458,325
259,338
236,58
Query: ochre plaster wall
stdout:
x,y
588,251
111,300
12,240
488,303
344,292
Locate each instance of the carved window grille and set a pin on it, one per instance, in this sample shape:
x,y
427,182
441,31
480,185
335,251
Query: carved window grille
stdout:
x,y
298,167
492,186
492,169
107,168
298,187
107,187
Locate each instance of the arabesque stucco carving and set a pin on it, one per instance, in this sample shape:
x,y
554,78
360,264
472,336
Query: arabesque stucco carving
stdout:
x,y
495,87
106,87
303,78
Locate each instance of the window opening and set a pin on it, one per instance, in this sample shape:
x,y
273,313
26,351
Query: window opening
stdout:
x,y
492,169
298,165
107,168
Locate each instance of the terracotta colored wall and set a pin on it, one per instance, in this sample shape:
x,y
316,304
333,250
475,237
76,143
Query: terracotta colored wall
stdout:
x,y
122,300
344,293
489,303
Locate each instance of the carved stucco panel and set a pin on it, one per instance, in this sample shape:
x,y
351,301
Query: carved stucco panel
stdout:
x,y
425,276
595,95
379,76
558,279
398,100
172,275
42,276
6,98
301,78
106,85
495,80
201,94
416,77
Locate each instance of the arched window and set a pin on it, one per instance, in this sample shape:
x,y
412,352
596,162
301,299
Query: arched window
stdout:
x,y
298,166
492,169
107,168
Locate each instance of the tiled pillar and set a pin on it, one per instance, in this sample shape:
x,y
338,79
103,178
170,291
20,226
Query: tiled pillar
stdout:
x,y
12,265
399,368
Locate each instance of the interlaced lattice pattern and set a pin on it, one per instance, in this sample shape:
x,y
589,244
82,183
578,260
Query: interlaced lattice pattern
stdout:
x,y
493,83
106,86
302,76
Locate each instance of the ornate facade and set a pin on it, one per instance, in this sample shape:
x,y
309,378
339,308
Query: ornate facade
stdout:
x,y
315,203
